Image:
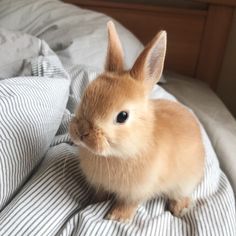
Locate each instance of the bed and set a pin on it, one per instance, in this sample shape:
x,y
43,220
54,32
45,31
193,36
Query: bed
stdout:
x,y
49,52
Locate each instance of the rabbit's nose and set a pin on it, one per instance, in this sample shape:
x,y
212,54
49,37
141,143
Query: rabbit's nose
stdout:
x,y
84,135
83,129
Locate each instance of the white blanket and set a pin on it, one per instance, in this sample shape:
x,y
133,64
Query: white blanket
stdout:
x,y
42,191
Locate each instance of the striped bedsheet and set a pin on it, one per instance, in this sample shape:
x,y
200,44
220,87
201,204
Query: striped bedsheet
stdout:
x,y
42,191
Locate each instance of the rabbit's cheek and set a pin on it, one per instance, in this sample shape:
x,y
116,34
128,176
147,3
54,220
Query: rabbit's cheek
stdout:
x,y
73,131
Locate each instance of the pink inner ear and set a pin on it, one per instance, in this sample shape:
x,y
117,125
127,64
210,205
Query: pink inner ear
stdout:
x,y
149,64
155,61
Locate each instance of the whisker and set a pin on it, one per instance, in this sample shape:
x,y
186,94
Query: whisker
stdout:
x,y
109,177
100,172
91,180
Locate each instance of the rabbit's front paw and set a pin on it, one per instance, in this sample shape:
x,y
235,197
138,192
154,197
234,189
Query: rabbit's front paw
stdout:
x,y
122,212
179,207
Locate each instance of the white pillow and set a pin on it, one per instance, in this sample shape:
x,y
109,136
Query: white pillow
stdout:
x,y
31,109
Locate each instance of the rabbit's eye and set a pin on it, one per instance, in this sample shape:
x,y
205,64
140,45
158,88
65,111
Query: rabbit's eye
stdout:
x,y
122,117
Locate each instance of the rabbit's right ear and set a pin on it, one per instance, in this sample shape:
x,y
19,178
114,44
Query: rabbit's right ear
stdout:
x,y
114,60
149,65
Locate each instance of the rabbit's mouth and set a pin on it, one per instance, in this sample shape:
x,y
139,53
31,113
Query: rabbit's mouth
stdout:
x,y
99,147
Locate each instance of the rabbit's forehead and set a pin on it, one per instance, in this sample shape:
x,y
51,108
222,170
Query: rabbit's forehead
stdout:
x,y
105,96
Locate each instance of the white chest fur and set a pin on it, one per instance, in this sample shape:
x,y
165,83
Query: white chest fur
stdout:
x,y
129,180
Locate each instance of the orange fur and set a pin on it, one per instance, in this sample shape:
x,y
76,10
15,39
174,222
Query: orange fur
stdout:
x,y
157,151
114,61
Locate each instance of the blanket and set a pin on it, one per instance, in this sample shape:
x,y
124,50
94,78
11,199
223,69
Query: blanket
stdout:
x,y
42,190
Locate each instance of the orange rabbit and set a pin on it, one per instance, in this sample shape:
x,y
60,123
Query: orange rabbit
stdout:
x,y
130,145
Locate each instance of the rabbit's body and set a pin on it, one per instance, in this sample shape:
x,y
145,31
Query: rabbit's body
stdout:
x,y
134,147
162,167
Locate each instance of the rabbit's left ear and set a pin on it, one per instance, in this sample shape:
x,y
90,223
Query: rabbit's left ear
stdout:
x,y
115,56
149,65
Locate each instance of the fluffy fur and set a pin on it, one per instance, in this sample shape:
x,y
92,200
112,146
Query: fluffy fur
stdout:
x,y
158,150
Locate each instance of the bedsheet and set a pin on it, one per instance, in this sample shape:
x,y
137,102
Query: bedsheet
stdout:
x,y
41,186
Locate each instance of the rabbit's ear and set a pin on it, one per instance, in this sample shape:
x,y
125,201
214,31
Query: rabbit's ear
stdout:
x,y
149,64
114,60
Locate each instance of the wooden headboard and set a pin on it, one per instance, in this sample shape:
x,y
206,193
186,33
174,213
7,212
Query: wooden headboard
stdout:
x,y
196,37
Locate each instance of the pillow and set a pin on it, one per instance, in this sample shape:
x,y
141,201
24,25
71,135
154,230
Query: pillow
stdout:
x,y
31,109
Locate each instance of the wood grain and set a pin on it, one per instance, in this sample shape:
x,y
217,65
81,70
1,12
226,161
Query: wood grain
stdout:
x,y
220,2
215,38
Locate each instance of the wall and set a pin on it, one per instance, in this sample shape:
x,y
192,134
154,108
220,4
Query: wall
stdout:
x,y
227,84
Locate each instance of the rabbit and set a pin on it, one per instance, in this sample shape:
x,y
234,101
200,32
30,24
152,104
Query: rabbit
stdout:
x,y
131,146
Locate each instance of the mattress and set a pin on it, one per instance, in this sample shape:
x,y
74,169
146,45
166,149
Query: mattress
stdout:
x,y
47,59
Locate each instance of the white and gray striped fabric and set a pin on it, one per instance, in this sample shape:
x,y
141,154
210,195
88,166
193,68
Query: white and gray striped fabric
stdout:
x,y
42,191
